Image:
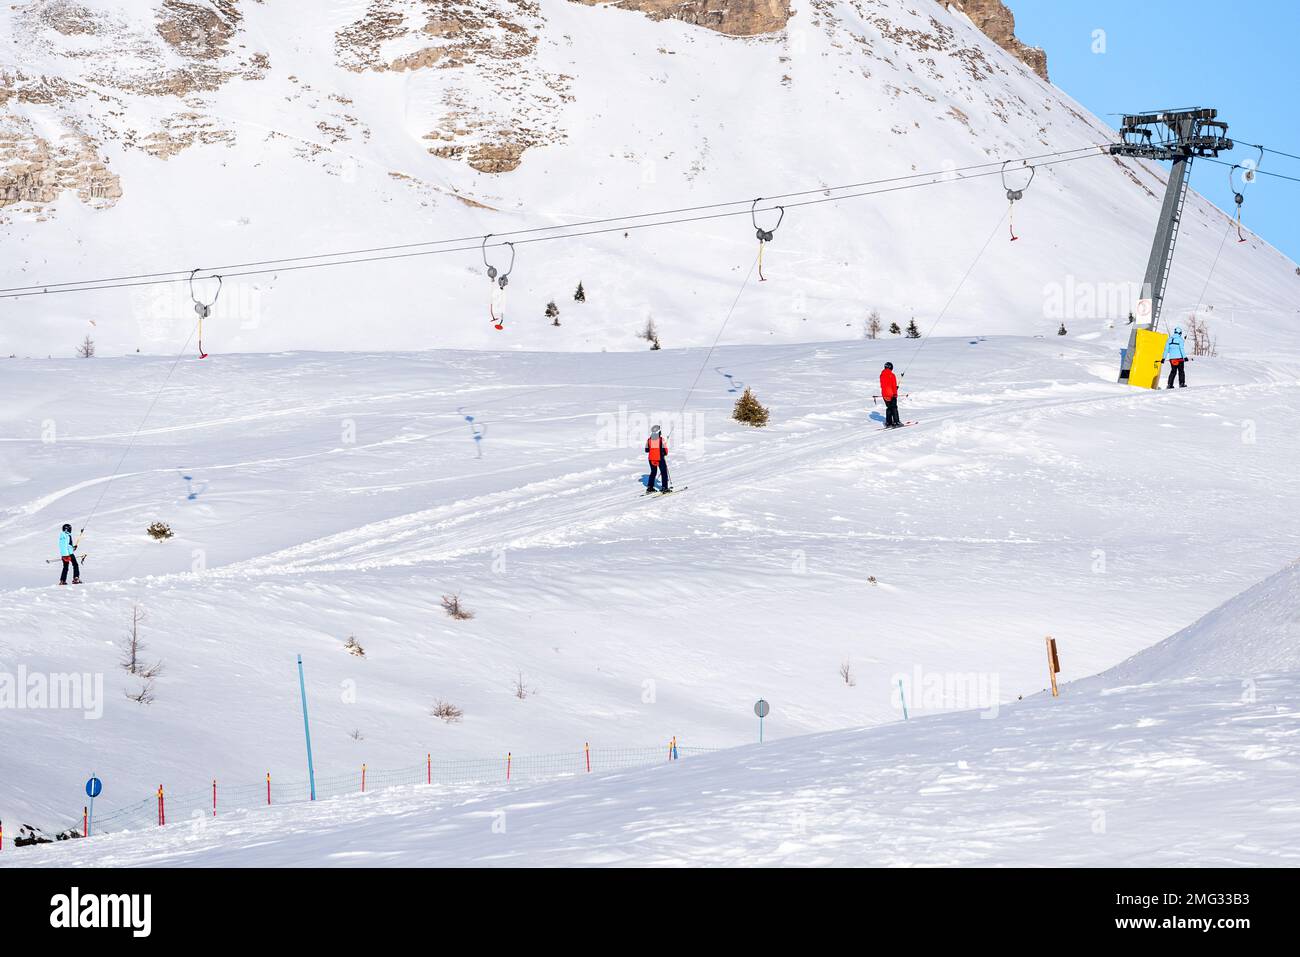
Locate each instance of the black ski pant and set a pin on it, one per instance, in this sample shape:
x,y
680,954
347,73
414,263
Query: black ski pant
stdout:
x,y
662,469
891,413
76,570
1180,371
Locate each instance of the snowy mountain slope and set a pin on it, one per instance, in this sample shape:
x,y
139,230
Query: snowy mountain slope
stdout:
x,y
240,132
318,496
1170,775
1257,632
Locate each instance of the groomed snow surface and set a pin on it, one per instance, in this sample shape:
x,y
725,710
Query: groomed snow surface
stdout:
x,y
317,496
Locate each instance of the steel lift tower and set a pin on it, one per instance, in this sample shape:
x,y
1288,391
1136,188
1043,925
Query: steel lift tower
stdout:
x,y
1180,136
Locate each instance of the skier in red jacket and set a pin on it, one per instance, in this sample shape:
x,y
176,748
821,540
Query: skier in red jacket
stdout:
x,y
657,451
889,392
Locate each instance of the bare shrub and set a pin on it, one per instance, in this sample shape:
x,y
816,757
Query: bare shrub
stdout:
x,y
160,531
452,606
133,647
87,348
446,711
874,325
520,688
846,672
353,647
144,694
1203,344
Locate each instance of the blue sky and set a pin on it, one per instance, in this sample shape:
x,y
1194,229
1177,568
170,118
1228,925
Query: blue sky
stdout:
x,y
1238,57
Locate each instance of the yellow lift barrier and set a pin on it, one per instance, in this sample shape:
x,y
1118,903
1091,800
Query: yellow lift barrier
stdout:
x,y
1148,354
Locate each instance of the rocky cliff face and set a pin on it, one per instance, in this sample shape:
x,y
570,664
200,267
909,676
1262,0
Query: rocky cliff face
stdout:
x,y
737,18
999,25
485,97
57,120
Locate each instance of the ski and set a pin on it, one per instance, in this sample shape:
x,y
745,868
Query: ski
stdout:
x,y
81,560
885,428
662,494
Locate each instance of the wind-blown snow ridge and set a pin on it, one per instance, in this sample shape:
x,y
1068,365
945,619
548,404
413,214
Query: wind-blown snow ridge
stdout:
x,y
1255,633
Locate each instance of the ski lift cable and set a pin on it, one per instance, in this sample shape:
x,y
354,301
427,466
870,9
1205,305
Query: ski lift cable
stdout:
x,y
952,298
1266,149
1196,309
716,339
135,435
38,291
229,269
1261,172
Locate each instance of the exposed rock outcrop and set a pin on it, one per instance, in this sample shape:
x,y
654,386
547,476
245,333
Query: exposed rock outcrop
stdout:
x,y
999,24
737,18
464,50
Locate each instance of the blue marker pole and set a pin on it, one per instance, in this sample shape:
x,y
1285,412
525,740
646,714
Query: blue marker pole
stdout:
x,y
306,727
902,697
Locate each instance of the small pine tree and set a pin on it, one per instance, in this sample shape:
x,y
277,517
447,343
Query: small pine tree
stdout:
x,y
86,349
894,330
912,331
874,325
553,313
1061,331
580,294
749,410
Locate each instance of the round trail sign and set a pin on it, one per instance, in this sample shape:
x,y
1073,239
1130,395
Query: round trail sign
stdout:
x,y
93,787
761,708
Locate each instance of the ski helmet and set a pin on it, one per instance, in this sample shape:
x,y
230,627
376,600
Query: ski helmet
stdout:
x,y
1178,330
68,529
655,430
889,365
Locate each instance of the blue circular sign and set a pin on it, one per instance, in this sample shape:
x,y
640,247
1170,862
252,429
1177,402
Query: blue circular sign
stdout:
x,y
93,787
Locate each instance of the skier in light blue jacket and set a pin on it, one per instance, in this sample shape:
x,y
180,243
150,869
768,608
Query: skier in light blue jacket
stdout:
x,y
68,552
1176,353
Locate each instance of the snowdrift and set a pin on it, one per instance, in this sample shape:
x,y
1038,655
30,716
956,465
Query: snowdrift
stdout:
x,y
1255,633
